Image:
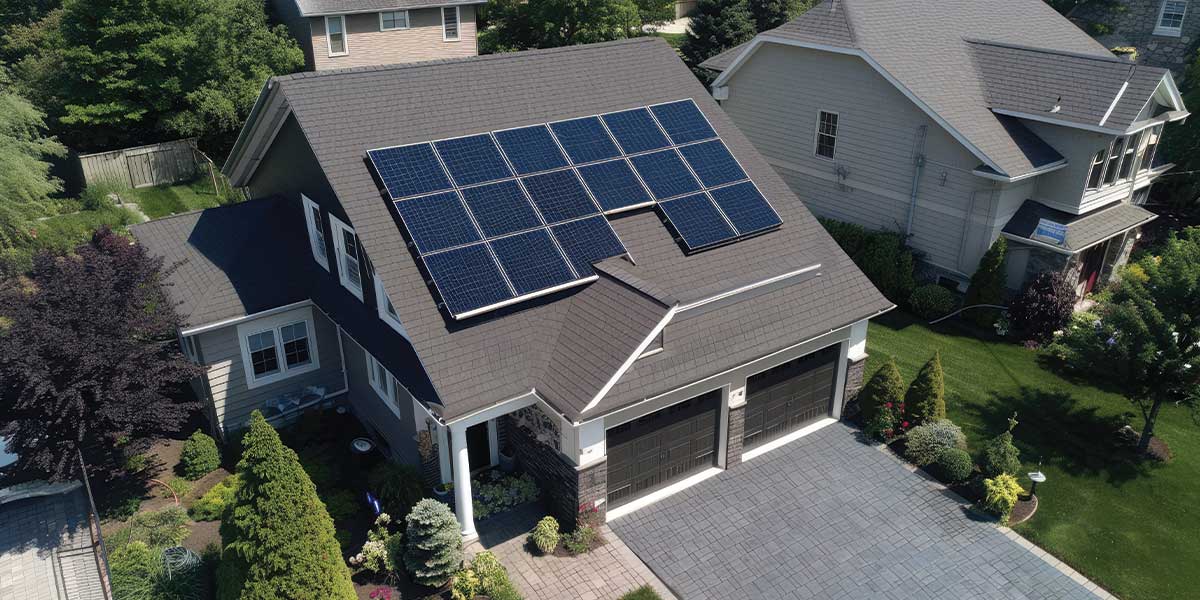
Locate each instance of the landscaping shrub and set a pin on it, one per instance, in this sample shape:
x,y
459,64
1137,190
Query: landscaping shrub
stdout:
x,y
881,401
1044,306
341,504
925,400
486,576
580,541
498,492
319,468
398,486
643,593
465,586
545,535
925,442
123,509
178,486
1000,495
433,545
881,255
279,539
953,465
376,555
1000,456
988,284
199,456
931,301
486,565
132,567
167,527
211,506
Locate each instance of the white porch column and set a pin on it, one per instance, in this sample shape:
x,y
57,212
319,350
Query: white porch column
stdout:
x,y
444,452
462,481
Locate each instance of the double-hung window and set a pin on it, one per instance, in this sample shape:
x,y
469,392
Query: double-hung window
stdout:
x,y
450,23
1170,18
349,258
389,390
1114,157
1147,159
1130,156
827,127
335,34
387,312
1093,180
393,19
316,232
278,347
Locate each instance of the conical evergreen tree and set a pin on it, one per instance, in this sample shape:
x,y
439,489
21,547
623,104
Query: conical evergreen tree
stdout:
x,y
716,26
988,284
279,539
925,400
885,387
433,544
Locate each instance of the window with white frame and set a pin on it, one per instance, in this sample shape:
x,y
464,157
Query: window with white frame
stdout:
x,y
1170,18
450,23
335,34
1114,157
393,19
827,126
349,257
316,231
278,347
1093,180
387,311
389,390
1147,159
1131,150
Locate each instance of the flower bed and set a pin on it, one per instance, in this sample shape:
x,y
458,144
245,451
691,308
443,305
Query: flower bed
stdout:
x,y
494,492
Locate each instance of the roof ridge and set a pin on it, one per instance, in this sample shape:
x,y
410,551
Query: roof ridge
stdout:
x,y
1083,55
519,55
848,17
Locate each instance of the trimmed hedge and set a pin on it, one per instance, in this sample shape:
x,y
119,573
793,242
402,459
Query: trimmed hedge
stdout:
x,y
199,457
881,255
931,301
988,284
925,400
925,443
953,465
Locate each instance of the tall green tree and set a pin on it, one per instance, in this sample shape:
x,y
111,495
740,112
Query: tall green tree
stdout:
x,y
1181,145
278,537
925,400
513,25
1146,341
716,26
115,73
988,283
769,14
25,181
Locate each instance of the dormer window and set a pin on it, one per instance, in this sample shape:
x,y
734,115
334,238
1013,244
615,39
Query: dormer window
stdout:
x,y
316,232
349,261
1170,18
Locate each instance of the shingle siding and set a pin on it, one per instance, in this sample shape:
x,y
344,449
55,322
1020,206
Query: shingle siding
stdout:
x,y
368,45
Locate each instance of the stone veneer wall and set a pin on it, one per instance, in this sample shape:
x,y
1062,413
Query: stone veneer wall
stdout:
x,y
564,487
737,430
855,372
1132,23
1118,255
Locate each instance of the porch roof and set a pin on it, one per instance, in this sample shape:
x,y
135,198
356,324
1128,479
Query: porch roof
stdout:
x,y
1082,231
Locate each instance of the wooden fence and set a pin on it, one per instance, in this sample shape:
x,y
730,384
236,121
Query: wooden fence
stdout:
x,y
156,164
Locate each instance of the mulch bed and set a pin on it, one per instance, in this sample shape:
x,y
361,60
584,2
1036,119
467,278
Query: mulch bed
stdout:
x,y
562,552
1023,511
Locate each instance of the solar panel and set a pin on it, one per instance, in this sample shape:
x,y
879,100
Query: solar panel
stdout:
x,y
585,140
614,185
467,278
559,195
473,159
437,222
635,130
713,163
588,241
665,174
697,221
409,170
532,261
683,121
531,149
501,208
746,208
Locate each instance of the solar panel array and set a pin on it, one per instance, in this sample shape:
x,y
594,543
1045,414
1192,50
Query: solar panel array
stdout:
x,y
520,212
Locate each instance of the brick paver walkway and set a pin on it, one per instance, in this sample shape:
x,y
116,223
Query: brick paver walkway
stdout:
x,y
603,574
45,550
831,517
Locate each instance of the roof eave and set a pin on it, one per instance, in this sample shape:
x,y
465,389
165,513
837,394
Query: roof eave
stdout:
x,y
366,11
1042,170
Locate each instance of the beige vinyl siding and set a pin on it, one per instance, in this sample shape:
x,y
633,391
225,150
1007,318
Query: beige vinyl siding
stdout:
x,y
368,45
233,400
398,432
775,99
1064,189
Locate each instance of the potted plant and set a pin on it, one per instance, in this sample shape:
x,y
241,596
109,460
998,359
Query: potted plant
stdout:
x,y
508,458
442,490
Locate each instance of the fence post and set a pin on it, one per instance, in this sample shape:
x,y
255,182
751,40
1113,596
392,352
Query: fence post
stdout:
x,y
94,527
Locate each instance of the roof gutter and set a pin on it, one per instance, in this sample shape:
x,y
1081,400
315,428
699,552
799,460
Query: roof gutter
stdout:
x,y
1054,166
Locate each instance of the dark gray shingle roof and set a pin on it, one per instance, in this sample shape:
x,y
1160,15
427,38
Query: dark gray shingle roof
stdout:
x,y
541,343
1082,230
314,8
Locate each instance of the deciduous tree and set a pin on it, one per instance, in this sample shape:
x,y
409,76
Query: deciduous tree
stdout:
x,y
519,25
25,181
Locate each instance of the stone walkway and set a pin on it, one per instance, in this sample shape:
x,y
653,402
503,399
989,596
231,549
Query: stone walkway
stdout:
x,y
829,516
603,574
46,550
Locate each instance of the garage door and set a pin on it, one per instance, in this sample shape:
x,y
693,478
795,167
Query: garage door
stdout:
x,y
662,447
790,396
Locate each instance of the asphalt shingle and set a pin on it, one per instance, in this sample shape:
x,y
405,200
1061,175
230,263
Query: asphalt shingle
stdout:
x,y
1082,230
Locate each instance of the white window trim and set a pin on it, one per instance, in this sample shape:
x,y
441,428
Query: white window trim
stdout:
x,y
345,36
457,25
381,302
1159,29
389,390
274,323
316,232
817,135
337,227
406,21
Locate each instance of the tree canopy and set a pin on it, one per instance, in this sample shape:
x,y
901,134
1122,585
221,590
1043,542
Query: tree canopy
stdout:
x,y
716,26
89,359
1181,145
511,25
115,73
25,181
769,14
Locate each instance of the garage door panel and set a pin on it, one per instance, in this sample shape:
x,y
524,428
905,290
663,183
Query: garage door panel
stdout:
x,y
789,396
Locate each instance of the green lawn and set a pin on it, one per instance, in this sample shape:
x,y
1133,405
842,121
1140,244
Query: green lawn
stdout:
x,y
165,200
64,232
674,39
1132,527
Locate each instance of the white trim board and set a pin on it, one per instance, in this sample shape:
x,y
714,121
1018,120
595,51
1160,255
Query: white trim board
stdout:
x,y
787,439
655,496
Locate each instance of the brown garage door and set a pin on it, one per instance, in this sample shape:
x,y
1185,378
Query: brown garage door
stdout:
x,y
662,447
790,396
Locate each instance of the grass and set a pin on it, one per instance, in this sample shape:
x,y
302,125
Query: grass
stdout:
x,y
674,39
1129,526
165,200
65,232
643,593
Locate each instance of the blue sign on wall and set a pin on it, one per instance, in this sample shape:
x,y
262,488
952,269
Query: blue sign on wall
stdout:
x,y
1050,232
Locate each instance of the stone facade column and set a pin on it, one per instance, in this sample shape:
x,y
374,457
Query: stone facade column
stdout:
x,y
592,486
565,486
855,371
737,427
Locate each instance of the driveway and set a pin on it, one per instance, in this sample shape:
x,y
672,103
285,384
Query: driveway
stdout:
x,y
828,516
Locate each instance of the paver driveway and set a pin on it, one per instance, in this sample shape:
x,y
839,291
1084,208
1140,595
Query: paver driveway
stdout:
x,y
828,516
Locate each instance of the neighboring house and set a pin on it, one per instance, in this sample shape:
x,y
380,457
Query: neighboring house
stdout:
x,y
955,122
1159,33
356,33
615,354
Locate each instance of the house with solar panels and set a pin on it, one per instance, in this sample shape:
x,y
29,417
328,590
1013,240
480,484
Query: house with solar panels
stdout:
x,y
336,34
510,255
957,122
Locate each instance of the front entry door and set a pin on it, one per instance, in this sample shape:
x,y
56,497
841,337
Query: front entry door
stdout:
x,y
479,448
1089,274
